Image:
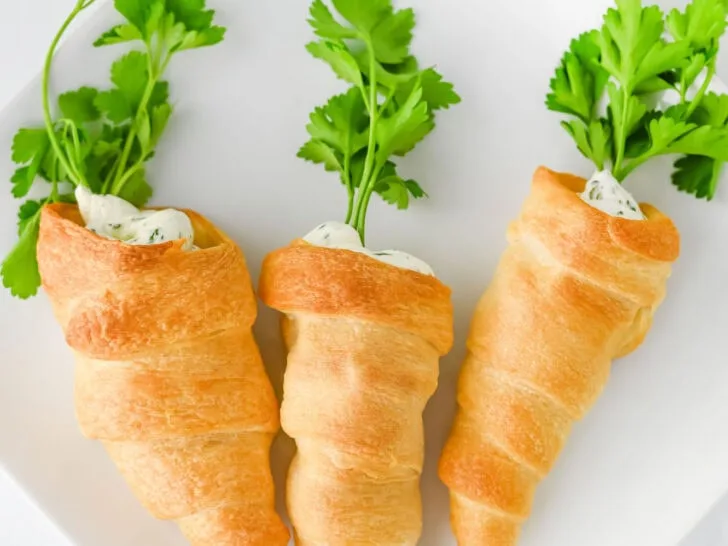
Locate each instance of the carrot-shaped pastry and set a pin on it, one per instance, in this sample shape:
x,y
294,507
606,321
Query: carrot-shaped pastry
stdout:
x,y
364,329
586,266
157,304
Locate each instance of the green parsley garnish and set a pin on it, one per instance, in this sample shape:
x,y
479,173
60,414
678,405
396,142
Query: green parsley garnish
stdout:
x,y
103,138
389,107
630,59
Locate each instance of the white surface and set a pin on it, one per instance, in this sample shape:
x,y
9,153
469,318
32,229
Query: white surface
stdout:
x,y
713,529
22,523
27,30
644,466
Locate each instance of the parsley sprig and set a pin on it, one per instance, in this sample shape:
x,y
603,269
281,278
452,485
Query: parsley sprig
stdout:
x,y
389,108
631,58
103,138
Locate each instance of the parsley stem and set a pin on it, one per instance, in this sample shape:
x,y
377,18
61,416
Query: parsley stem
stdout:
x,y
683,89
350,207
128,174
366,197
366,182
388,101
622,173
349,185
106,187
72,150
71,127
50,127
121,175
703,89
621,141
53,197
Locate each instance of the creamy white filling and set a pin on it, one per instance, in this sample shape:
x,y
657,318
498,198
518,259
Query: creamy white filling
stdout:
x,y
605,193
114,218
343,236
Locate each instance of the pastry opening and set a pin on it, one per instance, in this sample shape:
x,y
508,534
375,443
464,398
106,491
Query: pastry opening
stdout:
x,y
206,235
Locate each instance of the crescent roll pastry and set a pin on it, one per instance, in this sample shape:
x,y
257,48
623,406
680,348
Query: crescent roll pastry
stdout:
x,y
575,289
168,375
364,341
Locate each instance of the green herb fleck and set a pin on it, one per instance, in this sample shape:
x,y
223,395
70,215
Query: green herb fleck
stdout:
x,y
156,236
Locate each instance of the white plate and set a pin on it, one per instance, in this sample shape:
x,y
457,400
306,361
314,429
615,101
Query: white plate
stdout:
x,y
640,470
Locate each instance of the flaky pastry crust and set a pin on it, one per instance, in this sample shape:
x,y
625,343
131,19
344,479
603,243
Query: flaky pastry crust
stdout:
x,y
364,343
575,289
168,374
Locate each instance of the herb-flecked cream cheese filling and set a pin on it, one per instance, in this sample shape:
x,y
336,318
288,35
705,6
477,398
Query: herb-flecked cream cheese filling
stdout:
x,y
343,236
114,218
605,193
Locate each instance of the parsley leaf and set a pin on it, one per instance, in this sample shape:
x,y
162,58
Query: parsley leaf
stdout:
x,y
593,140
701,24
625,111
364,15
437,93
389,108
705,140
104,137
27,143
29,146
400,132
579,81
697,175
137,12
341,123
325,25
203,38
27,213
337,55
78,106
159,120
191,13
394,191
664,132
392,37
137,190
321,153
19,270
632,48
115,106
415,190
713,111
118,35
22,181
131,77
398,192
183,24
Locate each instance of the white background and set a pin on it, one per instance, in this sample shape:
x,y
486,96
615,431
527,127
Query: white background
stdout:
x,y
25,30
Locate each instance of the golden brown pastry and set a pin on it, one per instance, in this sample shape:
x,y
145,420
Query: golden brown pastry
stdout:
x,y
575,289
364,343
168,374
